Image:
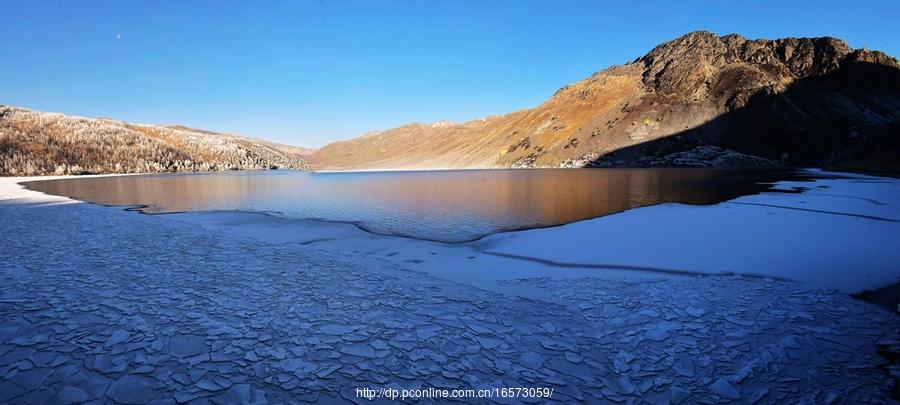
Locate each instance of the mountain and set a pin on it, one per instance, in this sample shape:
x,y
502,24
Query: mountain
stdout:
x,y
39,143
699,100
295,150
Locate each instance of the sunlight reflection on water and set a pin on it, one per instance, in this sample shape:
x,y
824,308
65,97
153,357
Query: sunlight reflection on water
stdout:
x,y
450,206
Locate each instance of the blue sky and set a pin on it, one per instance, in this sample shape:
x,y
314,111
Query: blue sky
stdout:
x,y
308,73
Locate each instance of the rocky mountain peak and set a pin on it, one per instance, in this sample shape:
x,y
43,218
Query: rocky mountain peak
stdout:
x,y
687,64
877,57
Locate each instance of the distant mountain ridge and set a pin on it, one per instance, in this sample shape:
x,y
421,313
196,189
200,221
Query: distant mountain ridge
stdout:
x,y
39,143
699,100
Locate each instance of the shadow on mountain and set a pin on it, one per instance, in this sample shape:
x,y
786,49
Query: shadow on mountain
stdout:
x,y
849,118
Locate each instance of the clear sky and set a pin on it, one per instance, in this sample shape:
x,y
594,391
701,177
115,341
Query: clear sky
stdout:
x,y
308,73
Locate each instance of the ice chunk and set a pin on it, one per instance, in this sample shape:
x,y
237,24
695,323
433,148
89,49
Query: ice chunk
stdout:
x,y
117,337
724,389
359,349
684,365
186,345
131,390
531,360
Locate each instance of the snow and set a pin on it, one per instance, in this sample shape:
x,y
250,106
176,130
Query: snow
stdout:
x,y
813,237
828,247
99,303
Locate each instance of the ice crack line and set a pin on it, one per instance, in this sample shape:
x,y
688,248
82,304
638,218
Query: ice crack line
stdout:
x,y
846,214
605,266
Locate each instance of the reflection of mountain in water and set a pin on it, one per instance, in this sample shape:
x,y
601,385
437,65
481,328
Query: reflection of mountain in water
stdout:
x,y
441,205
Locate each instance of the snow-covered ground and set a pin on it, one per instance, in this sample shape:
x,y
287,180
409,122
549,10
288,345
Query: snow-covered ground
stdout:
x,y
100,303
840,233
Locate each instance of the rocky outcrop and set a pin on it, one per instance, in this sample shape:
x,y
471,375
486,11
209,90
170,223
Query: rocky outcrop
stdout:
x,y
792,101
701,156
36,143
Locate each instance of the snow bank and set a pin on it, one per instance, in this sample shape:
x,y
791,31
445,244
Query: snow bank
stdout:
x,y
840,233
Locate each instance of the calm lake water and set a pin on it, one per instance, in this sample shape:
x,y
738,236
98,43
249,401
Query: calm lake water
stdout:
x,y
448,206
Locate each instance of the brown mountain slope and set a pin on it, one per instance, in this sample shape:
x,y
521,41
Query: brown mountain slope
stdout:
x,y
693,101
296,150
38,143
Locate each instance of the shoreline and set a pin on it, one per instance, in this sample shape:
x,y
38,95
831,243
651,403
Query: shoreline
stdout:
x,y
225,306
812,173
890,173
526,248
885,295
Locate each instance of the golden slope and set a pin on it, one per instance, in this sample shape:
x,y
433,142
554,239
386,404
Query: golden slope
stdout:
x,y
679,86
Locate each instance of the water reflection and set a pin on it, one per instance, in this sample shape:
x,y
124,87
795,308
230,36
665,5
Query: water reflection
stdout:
x,y
449,206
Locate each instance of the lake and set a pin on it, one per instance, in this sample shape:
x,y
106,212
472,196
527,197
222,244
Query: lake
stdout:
x,y
446,206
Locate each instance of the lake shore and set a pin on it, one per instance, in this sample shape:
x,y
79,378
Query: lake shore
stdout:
x,y
102,303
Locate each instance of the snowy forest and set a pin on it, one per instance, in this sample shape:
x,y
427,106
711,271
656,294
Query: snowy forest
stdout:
x,y
37,143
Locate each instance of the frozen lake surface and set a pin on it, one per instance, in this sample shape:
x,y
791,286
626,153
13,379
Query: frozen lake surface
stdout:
x,y
447,206
100,304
